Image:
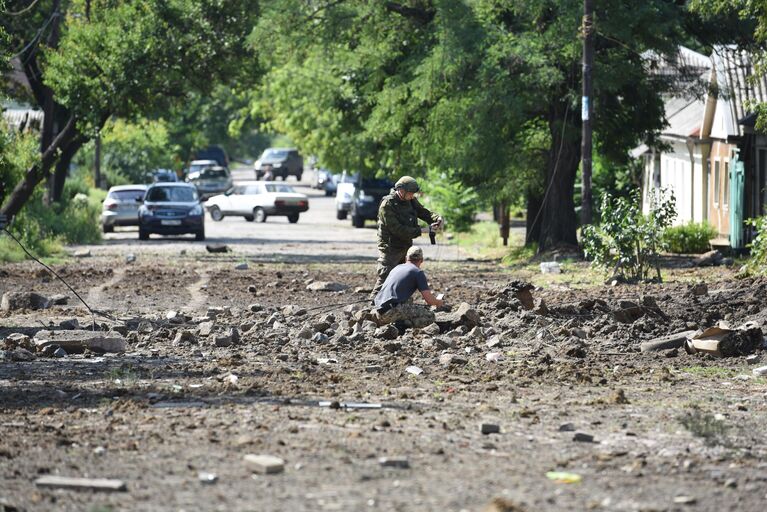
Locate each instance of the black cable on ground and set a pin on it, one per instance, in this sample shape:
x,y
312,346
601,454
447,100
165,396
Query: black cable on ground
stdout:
x,y
49,269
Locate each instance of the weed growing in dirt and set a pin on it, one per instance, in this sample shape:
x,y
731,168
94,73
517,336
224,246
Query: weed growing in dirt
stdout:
x,y
706,426
710,371
125,375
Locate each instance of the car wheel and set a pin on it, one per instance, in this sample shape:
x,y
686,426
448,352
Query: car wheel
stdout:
x,y
259,215
107,229
357,221
341,214
249,218
298,176
143,235
293,218
216,213
328,193
200,235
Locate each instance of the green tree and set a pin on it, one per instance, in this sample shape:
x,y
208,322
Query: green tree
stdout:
x,y
484,89
88,60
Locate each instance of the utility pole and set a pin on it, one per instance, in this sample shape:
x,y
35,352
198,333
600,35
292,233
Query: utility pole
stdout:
x,y
587,110
97,160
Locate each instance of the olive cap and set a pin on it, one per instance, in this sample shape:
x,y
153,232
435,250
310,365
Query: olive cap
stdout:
x,y
408,184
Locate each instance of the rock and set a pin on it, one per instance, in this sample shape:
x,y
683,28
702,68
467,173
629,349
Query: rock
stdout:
x,y
293,310
241,266
579,333
490,428
387,332
464,314
362,289
567,427
246,326
431,329
320,338
256,307
184,338
130,258
762,370
305,333
225,339
752,359
711,258
70,324
373,368
252,288
493,342
581,437
443,342
728,261
12,301
205,328
174,317
494,357
699,289
550,267
20,355
18,340
75,342
82,253
59,299
326,286
393,346
540,307
207,478
320,326
60,352
91,484
394,462
450,359
265,464
214,248
574,347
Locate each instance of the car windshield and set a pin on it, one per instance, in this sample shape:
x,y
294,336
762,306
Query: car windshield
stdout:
x,y
275,154
197,167
126,195
213,174
172,194
373,183
274,187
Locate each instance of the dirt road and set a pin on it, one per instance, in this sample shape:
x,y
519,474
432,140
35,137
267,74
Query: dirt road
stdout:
x,y
224,361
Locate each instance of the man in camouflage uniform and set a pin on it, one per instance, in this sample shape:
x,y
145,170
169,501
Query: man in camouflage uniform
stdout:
x,y
398,225
392,303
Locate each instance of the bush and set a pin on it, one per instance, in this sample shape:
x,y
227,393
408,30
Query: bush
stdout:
x,y
758,246
627,243
692,237
448,197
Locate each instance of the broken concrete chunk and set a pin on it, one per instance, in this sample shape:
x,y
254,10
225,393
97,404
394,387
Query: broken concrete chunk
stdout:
x,y
184,337
293,310
414,370
205,328
326,286
667,342
581,437
76,342
20,355
92,484
241,266
70,324
59,299
464,314
448,359
490,428
18,339
265,464
721,341
12,301
387,332
320,338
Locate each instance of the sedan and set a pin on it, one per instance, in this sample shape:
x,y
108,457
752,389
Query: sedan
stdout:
x,y
121,206
256,200
211,181
171,209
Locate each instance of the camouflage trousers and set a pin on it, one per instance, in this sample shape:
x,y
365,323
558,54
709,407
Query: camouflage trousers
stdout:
x,y
410,315
387,260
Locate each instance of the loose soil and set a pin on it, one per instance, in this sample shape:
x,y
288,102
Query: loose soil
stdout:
x,y
663,430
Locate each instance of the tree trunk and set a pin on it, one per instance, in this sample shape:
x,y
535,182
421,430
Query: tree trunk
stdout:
x,y
533,220
38,172
62,166
560,223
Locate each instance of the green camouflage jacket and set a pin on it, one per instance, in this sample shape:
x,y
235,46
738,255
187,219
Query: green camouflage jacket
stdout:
x,y
398,221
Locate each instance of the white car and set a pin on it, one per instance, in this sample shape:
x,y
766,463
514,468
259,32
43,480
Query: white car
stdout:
x,y
256,200
345,187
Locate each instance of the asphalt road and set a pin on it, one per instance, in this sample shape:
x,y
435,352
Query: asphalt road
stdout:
x,y
318,235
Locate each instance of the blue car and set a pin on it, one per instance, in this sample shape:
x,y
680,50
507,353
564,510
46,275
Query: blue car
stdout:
x,y
367,198
171,209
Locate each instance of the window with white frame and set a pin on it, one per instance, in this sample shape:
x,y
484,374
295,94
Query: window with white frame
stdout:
x,y
726,195
717,185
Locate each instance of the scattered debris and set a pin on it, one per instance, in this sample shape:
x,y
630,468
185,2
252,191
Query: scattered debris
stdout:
x,y
82,253
13,301
215,248
90,484
207,478
670,341
241,266
490,428
581,437
709,259
721,341
348,405
394,462
762,370
130,258
414,370
326,286
265,464
564,477
76,342
550,267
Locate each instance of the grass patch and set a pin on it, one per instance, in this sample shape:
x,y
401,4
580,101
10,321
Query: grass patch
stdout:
x,y
483,241
706,426
48,250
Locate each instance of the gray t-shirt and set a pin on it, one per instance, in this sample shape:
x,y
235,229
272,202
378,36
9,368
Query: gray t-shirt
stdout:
x,y
403,280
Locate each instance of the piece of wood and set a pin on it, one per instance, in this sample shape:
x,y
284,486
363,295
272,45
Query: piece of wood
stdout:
x,y
93,484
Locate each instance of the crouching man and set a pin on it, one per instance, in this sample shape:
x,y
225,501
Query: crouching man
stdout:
x,y
391,302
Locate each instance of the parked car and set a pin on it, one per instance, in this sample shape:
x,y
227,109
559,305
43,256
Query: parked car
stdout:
x,y
367,198
195,166
256,200
121,206
211,181
345,186
163,176
171,209
280,163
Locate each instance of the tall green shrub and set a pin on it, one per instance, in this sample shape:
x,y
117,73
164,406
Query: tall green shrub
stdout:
x,y
692,237
627,243
455,202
